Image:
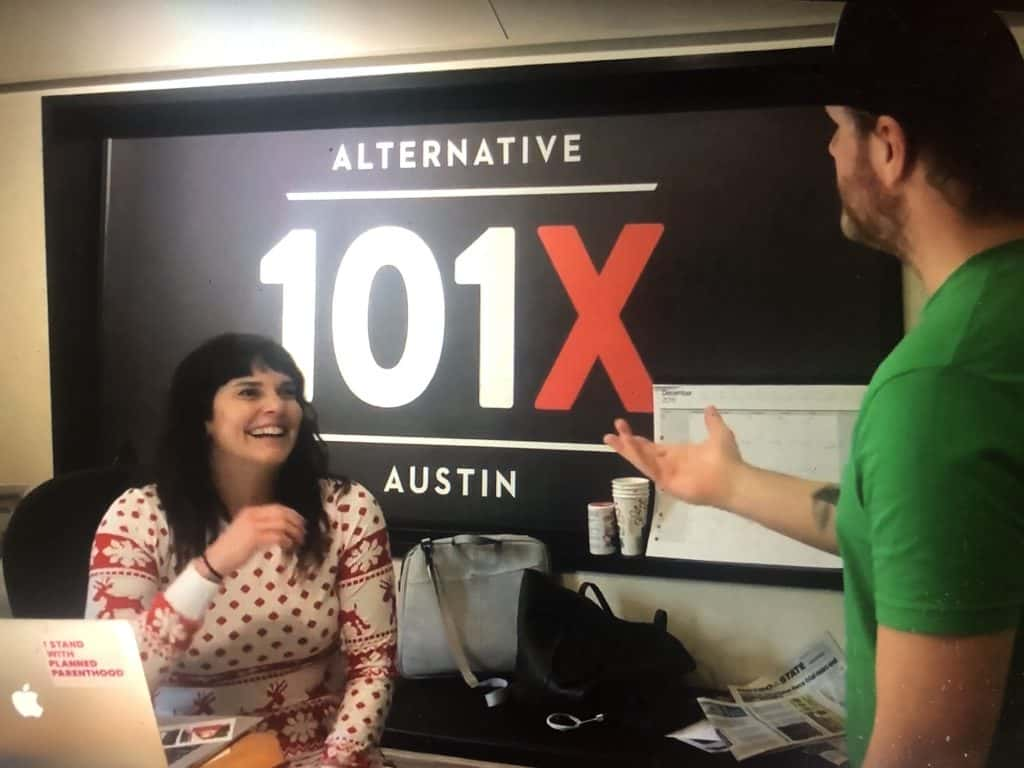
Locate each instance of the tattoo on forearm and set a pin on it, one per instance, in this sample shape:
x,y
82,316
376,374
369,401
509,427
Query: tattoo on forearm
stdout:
x,y
823,505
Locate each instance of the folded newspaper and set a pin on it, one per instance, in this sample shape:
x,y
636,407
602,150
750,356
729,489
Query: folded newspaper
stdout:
x,y
805,706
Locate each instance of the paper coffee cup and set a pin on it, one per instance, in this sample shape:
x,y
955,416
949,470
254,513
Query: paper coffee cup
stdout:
x,y
639,484
631,496
631,545
602,527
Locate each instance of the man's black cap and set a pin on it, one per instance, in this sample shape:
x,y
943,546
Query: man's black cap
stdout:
x,y
946,57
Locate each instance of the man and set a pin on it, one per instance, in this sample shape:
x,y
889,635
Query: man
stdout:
x,y
929,516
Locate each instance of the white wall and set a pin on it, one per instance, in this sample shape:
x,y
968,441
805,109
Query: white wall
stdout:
x,y
736,632
25,444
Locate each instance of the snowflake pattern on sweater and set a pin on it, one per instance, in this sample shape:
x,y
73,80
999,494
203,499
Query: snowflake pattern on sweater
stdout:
x,y
313,654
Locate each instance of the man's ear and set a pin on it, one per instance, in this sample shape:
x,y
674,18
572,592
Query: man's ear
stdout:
x,y
890,154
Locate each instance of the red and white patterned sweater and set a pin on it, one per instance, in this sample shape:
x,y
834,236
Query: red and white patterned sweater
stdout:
x,y
315,656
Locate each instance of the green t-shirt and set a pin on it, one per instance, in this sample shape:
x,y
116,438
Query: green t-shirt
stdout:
x,y
931,506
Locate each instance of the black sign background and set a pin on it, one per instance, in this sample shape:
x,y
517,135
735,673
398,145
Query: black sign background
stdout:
x,y
751,282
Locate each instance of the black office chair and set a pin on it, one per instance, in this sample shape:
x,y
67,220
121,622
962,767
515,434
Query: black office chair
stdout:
x,y
49,538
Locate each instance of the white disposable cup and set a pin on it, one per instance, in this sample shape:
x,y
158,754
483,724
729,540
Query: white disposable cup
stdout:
x,y
602,527
632,483
631,496
631,545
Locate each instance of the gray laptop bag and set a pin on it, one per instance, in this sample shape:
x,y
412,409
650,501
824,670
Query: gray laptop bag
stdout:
x,y
457,604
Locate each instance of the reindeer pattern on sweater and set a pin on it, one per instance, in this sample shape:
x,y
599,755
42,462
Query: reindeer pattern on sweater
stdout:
x,y
313,654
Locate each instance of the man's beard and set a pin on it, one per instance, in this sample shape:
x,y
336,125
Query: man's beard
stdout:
x,y
871,215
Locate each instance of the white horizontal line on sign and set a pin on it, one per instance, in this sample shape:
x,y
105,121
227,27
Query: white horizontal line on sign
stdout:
x,y
459,442
400,194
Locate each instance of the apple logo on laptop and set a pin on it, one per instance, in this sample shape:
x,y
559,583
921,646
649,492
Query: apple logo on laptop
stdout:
x,y
26,702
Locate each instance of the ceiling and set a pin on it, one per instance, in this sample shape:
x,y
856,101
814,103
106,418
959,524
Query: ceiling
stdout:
x,y
49,42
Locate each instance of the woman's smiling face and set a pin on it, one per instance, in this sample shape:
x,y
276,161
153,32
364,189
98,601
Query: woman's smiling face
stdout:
x,y
255,419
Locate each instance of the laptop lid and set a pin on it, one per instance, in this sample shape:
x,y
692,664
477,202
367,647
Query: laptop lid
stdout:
x,y
73,693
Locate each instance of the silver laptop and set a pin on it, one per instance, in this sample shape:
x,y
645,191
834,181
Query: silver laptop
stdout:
x,y
73,693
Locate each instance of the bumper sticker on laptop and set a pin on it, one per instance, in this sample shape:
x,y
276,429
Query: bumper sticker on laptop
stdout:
x,y
73,661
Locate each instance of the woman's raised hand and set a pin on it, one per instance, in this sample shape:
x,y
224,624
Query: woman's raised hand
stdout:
x,y
253,529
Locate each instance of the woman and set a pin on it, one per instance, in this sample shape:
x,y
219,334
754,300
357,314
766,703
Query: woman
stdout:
x,y
257,584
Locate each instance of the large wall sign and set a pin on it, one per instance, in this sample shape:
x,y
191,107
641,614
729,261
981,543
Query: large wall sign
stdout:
x,y
473,303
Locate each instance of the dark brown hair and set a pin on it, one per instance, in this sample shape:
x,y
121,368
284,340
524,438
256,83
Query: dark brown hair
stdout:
x,y
193,508
979,153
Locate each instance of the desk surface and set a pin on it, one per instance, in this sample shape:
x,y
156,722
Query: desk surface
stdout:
x,y
446,717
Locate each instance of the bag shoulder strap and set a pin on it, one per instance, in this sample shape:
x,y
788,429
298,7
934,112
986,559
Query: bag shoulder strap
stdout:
x,y
495,689
597,593
661,620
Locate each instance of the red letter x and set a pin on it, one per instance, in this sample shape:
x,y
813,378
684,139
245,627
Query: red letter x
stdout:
x,y
598,331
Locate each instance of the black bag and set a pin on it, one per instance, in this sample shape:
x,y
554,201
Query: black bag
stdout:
x,y
576,655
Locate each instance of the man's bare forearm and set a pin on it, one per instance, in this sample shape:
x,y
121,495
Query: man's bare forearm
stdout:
x,y
804,510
